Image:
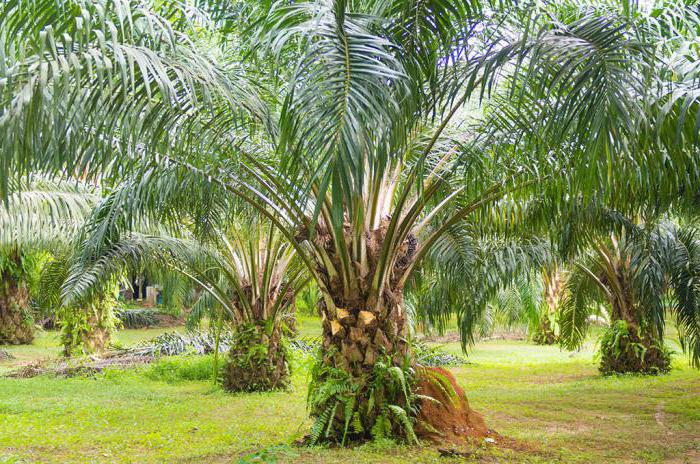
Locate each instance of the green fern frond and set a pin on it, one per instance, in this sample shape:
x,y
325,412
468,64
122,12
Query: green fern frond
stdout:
x,y
403,418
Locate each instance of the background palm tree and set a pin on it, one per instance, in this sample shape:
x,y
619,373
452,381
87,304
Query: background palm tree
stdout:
x,y
640,274
506,294
545,330
87,323
40,218
249,277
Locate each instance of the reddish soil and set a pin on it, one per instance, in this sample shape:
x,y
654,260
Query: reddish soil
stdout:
x,y
449,418
450,422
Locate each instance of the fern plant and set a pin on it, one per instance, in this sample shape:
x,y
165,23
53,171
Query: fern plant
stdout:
x,y
334,402
623,349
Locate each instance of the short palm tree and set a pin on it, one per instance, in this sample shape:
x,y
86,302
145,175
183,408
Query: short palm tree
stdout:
x,y
640,275
88,323
358,149
249,277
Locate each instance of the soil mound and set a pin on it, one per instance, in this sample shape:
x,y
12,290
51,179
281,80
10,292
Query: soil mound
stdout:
x,y
447,417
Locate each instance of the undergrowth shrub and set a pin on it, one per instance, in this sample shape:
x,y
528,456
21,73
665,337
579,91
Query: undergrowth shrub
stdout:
x,y
380,406
434,356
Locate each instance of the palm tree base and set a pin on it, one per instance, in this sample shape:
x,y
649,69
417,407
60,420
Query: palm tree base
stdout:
x,y
16,324
544,334
257,360
623,351
88,329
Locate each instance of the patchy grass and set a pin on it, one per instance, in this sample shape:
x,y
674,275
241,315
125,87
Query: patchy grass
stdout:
x,y
553,401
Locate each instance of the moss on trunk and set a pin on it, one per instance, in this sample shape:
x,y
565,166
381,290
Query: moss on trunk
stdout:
x,y
88,329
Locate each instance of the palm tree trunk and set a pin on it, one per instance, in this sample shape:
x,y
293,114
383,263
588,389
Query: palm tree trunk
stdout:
x,y
98,337
355,338
627,349
544,335
361,344
88,329
258,358
630,347
365,384
16,323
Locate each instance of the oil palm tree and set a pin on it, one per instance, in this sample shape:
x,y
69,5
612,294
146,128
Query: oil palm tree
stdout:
x,y
355,149
640,275
88,323
249,277
41,217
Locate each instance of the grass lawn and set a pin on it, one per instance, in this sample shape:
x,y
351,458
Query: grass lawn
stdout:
x,y
553,401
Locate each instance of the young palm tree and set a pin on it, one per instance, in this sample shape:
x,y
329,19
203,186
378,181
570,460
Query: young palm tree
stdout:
x,y
250,279
40,218
357,157
639,275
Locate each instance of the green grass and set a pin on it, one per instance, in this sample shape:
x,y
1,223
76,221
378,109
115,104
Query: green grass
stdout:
x,y
308,326
555,402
